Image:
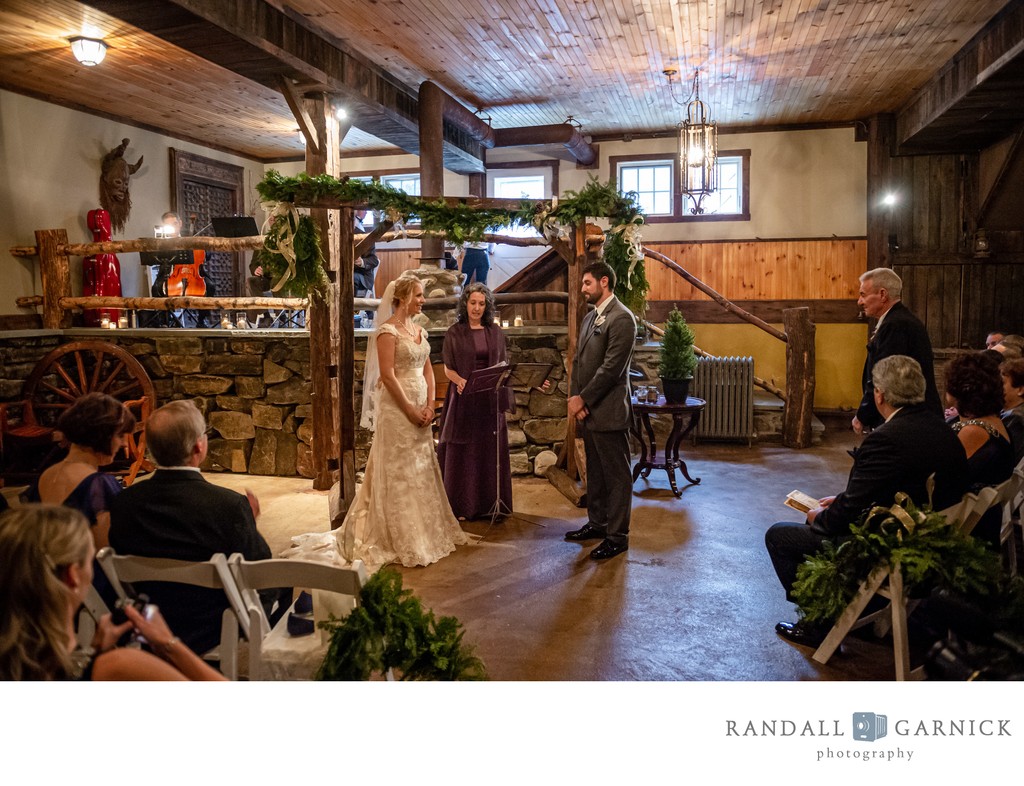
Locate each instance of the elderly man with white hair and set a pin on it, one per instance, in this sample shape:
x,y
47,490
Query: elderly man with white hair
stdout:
x,y
897,332
912,443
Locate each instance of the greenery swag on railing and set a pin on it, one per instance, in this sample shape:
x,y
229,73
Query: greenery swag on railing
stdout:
x,y
294,258
932,553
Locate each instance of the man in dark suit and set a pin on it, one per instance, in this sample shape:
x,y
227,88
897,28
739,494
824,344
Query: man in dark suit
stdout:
x,y
599,401
897,332
178,514
900,455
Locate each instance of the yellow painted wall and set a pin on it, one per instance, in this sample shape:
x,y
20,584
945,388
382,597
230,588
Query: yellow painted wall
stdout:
x,y
839,357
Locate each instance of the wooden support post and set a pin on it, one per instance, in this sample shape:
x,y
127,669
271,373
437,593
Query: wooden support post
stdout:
x,y
880,218
796,421
55,272
322,321
345,330
564,473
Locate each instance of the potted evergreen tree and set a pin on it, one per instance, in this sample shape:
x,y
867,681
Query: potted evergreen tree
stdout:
x,y
676,359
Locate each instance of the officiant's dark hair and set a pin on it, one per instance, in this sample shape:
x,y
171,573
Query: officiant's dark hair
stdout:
x,y
490,309
601,270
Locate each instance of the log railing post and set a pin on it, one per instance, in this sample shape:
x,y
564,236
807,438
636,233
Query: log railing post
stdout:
x,y
323,323
796,421
55,273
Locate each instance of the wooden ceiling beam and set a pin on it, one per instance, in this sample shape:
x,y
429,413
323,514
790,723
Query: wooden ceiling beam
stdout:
x,y
974,100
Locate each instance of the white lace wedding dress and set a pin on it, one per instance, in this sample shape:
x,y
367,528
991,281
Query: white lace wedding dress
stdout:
x,y
401,513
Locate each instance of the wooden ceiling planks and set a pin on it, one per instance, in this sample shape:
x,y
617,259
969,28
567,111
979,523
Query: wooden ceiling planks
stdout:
x,y
143,79
763,62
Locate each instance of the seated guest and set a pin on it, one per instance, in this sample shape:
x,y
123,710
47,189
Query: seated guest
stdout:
x,y
994,338
47,553
178,514
1010,347
1012,372
974,387
900,455
95,426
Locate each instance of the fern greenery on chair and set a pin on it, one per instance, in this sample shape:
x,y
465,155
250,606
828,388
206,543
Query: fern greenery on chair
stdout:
x,y
932,552
391,631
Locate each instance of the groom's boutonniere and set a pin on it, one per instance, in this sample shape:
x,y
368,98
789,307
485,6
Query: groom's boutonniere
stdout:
x,y
599,321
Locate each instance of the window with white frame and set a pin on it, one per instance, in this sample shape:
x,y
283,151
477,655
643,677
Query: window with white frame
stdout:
x,y
515,182
654,179
409,183
651,181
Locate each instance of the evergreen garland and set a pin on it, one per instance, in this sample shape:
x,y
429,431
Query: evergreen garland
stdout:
x,y
462,224
390,629
933,553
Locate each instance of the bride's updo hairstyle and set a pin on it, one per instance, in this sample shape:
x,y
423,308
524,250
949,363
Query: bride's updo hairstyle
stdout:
x,y
38,543
404,287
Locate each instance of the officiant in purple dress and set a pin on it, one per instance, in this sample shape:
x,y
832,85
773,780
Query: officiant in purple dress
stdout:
x,y
473,433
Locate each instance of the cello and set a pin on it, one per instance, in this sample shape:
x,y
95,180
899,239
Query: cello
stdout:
x,y
185,278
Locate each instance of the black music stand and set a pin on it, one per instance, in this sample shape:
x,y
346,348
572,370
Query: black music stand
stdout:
x,y
491,380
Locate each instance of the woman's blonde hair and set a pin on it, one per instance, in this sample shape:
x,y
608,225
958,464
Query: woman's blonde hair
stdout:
x,y
38,543
404,286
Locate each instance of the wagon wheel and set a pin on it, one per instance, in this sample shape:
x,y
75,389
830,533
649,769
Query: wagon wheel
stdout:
x,y
72,370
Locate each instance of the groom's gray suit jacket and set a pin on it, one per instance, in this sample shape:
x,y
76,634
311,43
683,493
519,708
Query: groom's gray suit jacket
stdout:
x,y
600,373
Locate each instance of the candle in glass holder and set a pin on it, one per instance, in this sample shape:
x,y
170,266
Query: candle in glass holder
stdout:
x,y
104,322
518,321
225,323
504,323
122,321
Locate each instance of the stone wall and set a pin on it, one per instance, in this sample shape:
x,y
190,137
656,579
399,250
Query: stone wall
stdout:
x,y
20,351
254,388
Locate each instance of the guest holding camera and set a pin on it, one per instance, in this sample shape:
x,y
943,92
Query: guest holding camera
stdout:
x,y
47,552
473,433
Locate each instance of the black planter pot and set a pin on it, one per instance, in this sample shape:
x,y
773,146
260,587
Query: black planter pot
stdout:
x,y
676,390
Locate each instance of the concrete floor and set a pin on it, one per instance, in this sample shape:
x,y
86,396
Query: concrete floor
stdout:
x,y
694,598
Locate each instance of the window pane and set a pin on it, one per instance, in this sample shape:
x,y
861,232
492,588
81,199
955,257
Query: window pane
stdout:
x,y
652,184
519,187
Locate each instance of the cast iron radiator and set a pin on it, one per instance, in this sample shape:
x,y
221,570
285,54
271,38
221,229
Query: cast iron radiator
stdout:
x,y
727,385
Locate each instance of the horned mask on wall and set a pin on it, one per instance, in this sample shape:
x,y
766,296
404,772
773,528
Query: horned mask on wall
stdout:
x,y
114,196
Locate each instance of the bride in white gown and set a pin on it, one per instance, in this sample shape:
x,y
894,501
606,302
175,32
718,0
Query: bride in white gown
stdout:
x,y
401,513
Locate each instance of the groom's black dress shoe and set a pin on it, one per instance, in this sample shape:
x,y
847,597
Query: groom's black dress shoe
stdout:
x,y
586,532
803,633
608,549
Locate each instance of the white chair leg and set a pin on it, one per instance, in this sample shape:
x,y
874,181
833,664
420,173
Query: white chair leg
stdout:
x,y
850,615
900,638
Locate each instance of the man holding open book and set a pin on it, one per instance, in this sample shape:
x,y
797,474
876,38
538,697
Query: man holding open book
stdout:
x,y
901,454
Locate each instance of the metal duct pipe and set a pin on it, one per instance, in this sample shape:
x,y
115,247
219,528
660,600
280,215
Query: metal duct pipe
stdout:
x,y
557,134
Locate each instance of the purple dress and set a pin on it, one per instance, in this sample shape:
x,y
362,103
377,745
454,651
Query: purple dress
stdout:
x,y
468,445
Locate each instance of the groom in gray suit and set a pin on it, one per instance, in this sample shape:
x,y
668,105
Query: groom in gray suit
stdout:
x,y
599,401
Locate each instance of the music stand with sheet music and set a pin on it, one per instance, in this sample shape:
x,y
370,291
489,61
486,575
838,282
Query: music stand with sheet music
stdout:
x,y
492,379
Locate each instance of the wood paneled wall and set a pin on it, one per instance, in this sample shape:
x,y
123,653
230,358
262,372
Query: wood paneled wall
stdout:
x,y
762,269
927,238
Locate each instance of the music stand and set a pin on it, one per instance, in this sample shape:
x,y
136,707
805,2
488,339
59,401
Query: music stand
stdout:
x,y
493,379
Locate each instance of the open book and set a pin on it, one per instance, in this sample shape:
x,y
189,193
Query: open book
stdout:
x,y
800,501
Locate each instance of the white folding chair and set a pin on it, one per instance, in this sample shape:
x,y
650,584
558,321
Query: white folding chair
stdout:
x,y
213,574
886,581
89,615
1010,498
273,653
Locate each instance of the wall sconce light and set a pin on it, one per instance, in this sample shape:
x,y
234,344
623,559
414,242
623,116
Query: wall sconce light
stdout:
x,y
88,51
341,113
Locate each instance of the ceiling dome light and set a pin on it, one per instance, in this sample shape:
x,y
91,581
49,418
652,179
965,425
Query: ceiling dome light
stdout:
x,y
88,51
